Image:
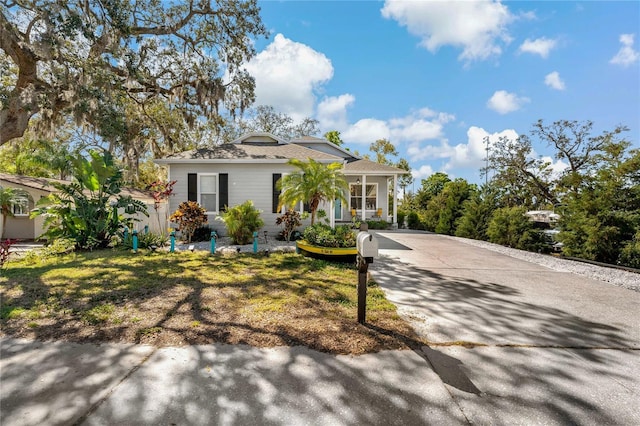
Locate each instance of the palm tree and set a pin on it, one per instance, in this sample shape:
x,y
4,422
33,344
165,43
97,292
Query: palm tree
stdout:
x,y
7,200
312,183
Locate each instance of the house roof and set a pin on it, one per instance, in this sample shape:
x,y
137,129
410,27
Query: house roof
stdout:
x,y
364,166
44,184
267,148
253,152
259,137
320,141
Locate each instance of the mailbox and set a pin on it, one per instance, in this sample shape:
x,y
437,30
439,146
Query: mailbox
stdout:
x,y
367,246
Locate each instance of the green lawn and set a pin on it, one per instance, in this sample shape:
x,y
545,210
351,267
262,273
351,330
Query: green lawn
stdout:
x,y
195,298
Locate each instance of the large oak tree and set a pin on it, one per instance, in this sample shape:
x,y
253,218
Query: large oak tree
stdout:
x,y
90,59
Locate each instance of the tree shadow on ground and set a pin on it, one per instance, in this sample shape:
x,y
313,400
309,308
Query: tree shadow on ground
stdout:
x,y
66,383
533,360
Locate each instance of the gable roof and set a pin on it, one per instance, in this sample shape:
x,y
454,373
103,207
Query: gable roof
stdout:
x,y
312,140
44,184
259,137
254,152
364,166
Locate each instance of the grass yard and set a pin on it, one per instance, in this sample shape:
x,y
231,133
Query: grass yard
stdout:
x,y
193,298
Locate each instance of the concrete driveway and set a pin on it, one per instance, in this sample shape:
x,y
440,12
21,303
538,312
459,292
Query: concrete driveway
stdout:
x,y
542,347
515,342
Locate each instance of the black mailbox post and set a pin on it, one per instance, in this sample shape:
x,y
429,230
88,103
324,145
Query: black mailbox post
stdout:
x,y
367,247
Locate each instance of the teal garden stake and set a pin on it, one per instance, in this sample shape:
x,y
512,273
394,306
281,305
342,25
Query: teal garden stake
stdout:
x,y
126,233
173,242
213,242
135,241
255,241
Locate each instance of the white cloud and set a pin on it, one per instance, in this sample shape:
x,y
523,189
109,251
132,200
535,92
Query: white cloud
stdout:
x,y
477,27
420,152
421,125
473,153
504,102
557,166
332,111
288,75
626,55
541,46
366,131
554,81
423,172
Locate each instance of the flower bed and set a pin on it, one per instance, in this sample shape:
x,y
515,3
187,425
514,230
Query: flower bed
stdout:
x,y
321,240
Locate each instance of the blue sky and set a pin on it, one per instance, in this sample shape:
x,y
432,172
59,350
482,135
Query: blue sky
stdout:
x,y
435,78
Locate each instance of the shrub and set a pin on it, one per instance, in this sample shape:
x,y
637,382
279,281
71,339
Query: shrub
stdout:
x,y
242,221
378,224
630,254
203,233
57,247
413,221
289,221
401,217
146,240
189,217
510,227
323,235
86,210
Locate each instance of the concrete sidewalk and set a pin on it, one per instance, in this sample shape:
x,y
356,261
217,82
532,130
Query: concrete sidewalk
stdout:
x,y
66,383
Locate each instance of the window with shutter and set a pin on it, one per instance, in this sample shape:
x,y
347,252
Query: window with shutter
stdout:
x,y
276,193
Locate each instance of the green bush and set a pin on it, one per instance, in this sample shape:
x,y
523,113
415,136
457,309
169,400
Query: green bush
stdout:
x,y
242,221
413,221
86,210
202,233
509,226
378,224
401,217
322,235
57,247
146,240
630,254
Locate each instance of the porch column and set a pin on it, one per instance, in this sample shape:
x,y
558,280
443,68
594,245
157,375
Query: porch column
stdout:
x,y
364,197
332,214
395,199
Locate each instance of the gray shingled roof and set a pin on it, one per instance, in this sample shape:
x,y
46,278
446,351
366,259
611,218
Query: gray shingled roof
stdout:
x,y
44,184
252,151
366,166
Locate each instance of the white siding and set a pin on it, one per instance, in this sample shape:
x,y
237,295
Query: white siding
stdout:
x,y
383,197
246,182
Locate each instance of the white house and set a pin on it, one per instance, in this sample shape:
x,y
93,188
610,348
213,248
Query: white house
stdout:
x,y
249,168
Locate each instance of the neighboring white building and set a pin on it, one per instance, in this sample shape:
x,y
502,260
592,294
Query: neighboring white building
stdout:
x,y
544,216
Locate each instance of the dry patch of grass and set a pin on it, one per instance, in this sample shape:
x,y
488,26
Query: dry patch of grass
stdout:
x,y
194,298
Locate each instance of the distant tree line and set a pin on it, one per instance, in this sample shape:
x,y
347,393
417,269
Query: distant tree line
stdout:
x,y
597,195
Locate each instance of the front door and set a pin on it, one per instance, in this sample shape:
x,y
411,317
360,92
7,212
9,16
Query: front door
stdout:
x,y
338,209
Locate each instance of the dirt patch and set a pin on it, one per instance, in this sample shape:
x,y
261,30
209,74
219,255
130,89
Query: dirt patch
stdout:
x,y
186,299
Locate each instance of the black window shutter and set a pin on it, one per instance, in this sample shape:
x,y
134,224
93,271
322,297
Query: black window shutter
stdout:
x,y
192,187
276,193
306,207
223,182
